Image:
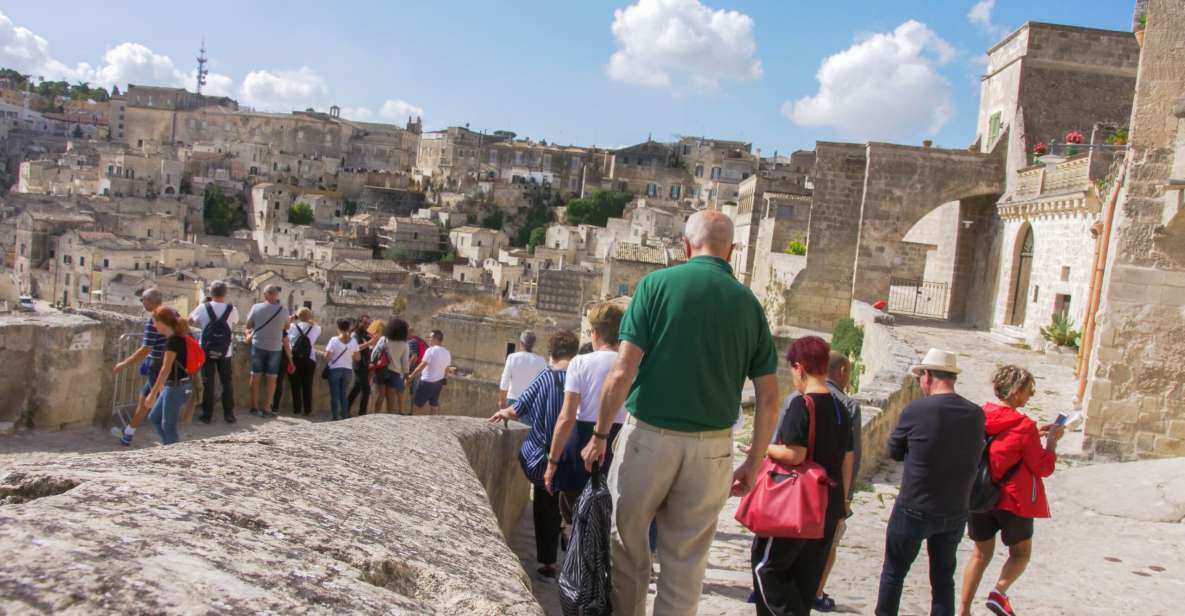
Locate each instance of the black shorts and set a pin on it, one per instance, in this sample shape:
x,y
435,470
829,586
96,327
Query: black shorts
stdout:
x,y
1012,528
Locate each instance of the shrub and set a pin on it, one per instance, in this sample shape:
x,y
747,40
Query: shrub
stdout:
x,y
1061,332
300,214
795,247
847,338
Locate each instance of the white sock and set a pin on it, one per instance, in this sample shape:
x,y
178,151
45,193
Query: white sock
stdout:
x,y
128,431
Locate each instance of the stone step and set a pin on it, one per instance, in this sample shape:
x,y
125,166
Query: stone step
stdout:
x,y
1010,336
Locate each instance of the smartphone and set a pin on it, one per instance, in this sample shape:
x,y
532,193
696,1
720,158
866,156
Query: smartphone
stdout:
x,y
1061,420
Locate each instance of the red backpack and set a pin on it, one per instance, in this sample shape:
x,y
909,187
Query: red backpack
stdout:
x,y
195,356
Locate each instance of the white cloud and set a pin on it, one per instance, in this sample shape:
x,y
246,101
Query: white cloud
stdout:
x,y
661,41
399,110
358,114
884,86
980,16
285,90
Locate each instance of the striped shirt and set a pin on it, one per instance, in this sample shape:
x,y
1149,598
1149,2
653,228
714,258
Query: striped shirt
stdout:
x,y
154,340
539,407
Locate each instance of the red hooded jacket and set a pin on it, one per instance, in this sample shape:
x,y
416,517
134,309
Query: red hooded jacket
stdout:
x,y
1017,440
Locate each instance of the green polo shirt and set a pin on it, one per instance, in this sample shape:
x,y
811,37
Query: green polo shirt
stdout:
x,y
702,334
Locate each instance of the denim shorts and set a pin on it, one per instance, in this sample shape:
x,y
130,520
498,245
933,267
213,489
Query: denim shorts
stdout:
x,y
428,393
266,362
388,378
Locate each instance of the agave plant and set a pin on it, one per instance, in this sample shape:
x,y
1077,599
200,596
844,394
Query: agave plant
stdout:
x,y
1061,331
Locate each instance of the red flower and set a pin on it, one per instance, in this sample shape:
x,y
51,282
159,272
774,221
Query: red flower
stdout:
x,y
1075,137
1041,148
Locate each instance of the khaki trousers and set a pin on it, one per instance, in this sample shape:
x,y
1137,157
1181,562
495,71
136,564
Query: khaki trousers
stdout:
x,y
682,479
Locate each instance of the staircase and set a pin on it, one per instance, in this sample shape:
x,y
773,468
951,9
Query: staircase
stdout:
x,y
1010,335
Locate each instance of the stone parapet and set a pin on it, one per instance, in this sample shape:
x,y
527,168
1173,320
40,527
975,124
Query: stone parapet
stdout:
x,y
379,514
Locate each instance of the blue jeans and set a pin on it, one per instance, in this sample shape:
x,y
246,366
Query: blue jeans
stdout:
x,y
167,410
266,362
339,389
903,539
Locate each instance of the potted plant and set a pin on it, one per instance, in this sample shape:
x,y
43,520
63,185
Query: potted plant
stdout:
x,y
1039,150
1060,333
1141,24
1119,137
1073,138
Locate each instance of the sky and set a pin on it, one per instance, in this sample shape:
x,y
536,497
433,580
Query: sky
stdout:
x,y
781,74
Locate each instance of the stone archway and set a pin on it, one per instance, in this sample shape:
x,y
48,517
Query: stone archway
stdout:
x,y
1022,269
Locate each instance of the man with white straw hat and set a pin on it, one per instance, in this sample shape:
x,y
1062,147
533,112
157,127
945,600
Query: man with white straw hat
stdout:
x,y
940,438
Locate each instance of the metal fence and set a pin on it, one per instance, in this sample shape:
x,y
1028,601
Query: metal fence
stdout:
x,y
125,393
919,298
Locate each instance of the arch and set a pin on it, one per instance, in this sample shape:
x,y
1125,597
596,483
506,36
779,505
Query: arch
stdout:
x,y
169,190
1022,271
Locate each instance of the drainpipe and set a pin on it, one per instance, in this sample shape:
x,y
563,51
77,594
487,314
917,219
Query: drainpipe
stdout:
x,y
1096,287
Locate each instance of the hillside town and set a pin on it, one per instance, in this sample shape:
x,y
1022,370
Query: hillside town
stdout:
x,y
1054,233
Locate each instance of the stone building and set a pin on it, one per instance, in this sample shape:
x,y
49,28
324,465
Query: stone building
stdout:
x,y
417,238
626,264
563,168
384,147
35,241
753,207
717,167
85,260
1134,381
650,169
453,155
476,244
138,175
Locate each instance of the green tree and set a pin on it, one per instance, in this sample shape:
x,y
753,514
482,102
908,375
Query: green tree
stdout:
x,y
505,133
538,237
351,207
217,211
539,214
597,208
395,252
795,247
300,214
494,221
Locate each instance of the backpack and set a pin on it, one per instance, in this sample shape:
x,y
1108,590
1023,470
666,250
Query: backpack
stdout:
x,y
418,347
585,578
195,356
216,336
985,493
303,347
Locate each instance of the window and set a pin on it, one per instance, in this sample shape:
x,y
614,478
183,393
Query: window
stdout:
x,y
1065,273
493,157
150,233
309,305
994,126
699,171
686,150
1061,304
86,289
652,190
22,249
676,191
715,173
1036,292
136,265
82,261
625,160
66,259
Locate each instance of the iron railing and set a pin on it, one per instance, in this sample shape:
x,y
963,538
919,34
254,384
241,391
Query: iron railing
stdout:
x,y
919,298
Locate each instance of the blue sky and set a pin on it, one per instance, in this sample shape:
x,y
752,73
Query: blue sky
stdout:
x,y
906,69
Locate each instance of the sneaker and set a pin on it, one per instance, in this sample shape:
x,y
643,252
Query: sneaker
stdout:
x,y
998,603
229,418
124,439
824,603
548,572
255,412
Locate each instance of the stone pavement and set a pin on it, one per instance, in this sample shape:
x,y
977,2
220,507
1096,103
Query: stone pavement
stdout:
x,y
1104,552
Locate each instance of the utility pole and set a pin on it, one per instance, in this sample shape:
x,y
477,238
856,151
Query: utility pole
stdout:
x,y
201,69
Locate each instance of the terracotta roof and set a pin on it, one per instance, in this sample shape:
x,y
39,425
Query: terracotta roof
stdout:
x,y
639,253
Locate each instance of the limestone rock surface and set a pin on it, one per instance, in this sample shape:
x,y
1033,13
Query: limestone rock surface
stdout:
x,y
378,515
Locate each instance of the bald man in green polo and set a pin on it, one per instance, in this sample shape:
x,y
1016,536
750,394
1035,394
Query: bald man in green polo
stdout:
x,y
691,337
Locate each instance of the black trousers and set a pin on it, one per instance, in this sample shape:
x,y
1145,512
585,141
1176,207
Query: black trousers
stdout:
x,y
361,388
302,384
279,395
222,367
547,525
786,572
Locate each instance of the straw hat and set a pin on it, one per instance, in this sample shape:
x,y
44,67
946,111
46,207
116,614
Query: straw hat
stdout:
x,y
939,361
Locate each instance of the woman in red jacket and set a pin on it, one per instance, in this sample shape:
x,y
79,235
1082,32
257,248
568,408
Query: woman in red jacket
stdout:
x,y
1016,452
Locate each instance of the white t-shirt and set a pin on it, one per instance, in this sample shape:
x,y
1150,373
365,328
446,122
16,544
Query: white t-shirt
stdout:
x,y
521,368
343,351
586,376
437,359
314,333
202,318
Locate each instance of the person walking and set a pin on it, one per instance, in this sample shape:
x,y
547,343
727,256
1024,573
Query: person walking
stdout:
x,y
302,335
690,338
265,326
1019,463
389,379
340,354
565,476
539,406
217,319
173,387
146,357
360,390
940,439
839,374
432,372
521,368
787,572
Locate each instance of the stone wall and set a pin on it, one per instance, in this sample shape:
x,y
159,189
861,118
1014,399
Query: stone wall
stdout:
x,y
886,386
377,514
1135,398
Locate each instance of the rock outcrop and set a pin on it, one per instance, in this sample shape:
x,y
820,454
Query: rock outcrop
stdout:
x,y
378,514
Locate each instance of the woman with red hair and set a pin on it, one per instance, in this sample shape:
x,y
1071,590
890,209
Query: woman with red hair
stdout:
x,y
786,572
173,387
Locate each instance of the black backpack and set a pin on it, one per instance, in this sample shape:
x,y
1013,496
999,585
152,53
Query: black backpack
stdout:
x,y
216,336
303,347
985,493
